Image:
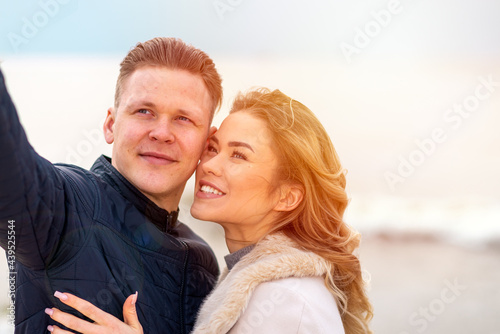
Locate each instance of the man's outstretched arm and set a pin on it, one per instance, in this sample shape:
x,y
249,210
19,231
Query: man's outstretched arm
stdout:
x,y
32,196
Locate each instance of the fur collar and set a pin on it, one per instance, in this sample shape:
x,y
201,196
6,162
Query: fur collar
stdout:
x,y
275,257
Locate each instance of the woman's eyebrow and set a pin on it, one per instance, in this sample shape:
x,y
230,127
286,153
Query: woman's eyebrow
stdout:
x,y
240,144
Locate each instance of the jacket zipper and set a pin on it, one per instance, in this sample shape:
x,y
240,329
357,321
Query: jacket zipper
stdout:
x,y
184,273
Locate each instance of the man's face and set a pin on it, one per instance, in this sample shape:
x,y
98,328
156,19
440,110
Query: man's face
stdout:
x,y
159,131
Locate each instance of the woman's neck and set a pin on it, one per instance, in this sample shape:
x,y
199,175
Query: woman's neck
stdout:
x,y
238,238
234,245
244,233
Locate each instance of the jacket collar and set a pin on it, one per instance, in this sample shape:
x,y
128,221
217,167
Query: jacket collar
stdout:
x,y
164,220
274,257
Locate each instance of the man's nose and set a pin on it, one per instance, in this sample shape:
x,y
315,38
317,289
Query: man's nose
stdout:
x,y
162,131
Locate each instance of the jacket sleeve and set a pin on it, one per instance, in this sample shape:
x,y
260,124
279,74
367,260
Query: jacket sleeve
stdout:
x,y
274,308
32,193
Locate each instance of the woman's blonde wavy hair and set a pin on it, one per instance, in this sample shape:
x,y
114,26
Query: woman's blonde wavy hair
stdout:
x,y
307,158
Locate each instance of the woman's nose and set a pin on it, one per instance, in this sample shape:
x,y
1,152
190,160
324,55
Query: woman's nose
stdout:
x,y
212,164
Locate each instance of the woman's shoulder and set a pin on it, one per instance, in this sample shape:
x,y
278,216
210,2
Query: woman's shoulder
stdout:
x,y
311,291
293,304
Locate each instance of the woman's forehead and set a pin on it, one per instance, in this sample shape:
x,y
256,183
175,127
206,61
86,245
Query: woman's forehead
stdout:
x,y
243,126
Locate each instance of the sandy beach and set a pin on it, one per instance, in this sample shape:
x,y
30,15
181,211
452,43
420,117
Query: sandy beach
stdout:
x,y
423,285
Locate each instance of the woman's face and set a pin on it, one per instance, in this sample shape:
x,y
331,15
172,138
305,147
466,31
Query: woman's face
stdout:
x,y
235,176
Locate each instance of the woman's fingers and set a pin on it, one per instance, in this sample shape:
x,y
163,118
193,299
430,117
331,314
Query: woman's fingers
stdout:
x,y
104,322
130,312
84,307
70,321
56,330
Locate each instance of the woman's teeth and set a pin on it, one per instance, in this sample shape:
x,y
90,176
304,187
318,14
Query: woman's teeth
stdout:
x,y
208,189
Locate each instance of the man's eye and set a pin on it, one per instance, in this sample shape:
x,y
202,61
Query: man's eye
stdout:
x,y
143,111
182,118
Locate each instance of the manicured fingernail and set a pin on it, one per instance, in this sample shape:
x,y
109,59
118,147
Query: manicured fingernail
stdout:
x,y
49,311
50,328
60,295
134,299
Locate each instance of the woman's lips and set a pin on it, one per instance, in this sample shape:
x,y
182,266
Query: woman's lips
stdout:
x,y
209,190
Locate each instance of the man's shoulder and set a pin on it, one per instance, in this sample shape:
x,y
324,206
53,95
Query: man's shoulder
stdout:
x,y
79,175
83,176
80,182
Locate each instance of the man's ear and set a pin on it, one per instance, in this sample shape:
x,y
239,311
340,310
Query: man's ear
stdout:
x,y
211,132
291,197
108,126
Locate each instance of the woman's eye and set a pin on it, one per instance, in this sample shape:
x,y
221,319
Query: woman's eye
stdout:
x,y
239,155
210,148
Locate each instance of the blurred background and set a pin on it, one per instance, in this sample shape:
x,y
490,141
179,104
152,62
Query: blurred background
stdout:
x,y
409,92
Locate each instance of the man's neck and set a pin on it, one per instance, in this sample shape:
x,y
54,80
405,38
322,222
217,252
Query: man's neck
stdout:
x,y
166,203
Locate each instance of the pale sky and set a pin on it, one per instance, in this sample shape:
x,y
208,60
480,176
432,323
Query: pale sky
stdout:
x,y
292,28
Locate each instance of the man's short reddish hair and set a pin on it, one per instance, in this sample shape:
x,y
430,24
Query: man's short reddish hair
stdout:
x,y
174,54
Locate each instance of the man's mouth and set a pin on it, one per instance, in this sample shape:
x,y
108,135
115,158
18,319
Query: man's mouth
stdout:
x,y
157,158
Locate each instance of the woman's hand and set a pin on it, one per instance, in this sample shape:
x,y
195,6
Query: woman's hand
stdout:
x,y
104,323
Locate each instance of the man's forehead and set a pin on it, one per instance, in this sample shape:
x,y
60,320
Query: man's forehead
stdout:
x,y
152,86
